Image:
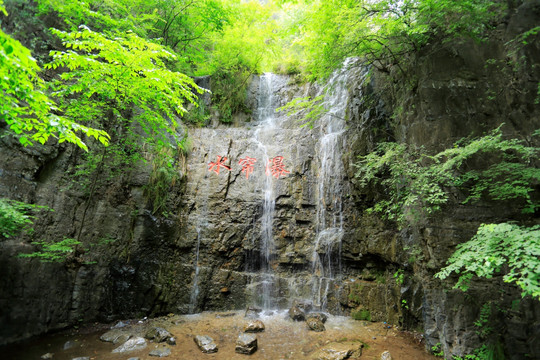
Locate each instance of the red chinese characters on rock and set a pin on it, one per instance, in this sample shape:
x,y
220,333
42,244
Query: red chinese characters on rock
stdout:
x,y
215,166
275,167
248,164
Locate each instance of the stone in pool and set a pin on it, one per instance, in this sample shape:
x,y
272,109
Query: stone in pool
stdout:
x,y
116,336
135,343
158,334
206,344
246,344
338,351
315,324
162,351
297,314
321,316
254,326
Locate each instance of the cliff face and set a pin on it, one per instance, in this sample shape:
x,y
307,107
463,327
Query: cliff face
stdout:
x,y
457,90
233,239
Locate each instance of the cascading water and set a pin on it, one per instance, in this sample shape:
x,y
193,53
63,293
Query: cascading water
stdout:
x,y
202,224
326,260
266,117
269,240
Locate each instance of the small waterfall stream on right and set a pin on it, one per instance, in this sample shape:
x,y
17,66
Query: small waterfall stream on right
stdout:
x,y
331,185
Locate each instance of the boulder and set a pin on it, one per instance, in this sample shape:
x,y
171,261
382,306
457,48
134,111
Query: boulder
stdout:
x,y
206,344
135,343
252,312
158,334
304,305
297,314
161,351
69,344
321,316
246,344
115,336
254,326
119,325
315,324
338,351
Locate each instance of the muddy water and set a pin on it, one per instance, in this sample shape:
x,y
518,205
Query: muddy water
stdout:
x,y
282,339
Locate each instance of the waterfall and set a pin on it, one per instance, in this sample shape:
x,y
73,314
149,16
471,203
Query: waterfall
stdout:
x,y
268,240
326,255
266,110
202,224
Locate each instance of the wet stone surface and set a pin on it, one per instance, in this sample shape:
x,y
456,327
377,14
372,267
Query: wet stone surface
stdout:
x,y
339,351
158,334
206,344
246,344
254,326
133,344
315,324
297,314
162,351
115,336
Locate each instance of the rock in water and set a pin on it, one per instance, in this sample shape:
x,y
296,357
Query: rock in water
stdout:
x,y
315,324
158,334
206,344
338,351
252,312
135,343
160,352
297,314
246,344
386,355
304,305
321,316
115,336
69,344
47,356
254,326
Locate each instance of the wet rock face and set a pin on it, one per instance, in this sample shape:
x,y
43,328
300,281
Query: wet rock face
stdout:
x,y
452,99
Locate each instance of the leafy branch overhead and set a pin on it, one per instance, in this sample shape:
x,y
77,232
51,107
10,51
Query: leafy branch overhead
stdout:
x,y
24,104
119,74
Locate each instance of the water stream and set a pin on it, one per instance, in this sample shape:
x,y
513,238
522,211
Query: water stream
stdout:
x,y
202,224
267,126
326,257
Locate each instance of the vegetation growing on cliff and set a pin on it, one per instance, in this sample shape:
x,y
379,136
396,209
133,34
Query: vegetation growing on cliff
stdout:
x,y
420,184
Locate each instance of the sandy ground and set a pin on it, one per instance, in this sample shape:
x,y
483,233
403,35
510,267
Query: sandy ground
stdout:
x,y
282,339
